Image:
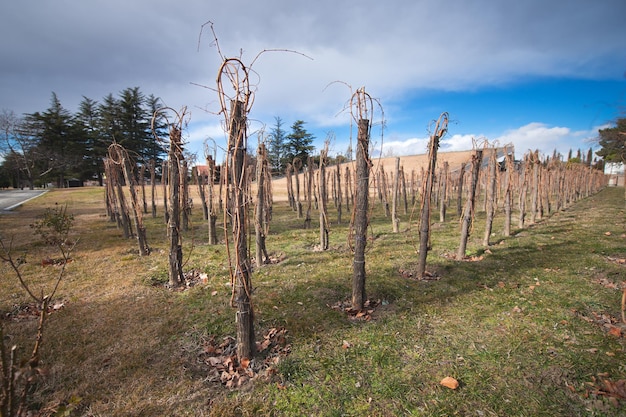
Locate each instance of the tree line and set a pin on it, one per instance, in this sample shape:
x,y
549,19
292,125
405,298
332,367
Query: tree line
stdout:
x,y
55,145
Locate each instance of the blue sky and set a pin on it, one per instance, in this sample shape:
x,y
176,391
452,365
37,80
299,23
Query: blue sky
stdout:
x,y
541,75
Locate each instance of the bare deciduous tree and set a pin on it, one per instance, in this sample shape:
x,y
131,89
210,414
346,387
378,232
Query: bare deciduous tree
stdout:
x,y
18,378
172,185
441,127
468,212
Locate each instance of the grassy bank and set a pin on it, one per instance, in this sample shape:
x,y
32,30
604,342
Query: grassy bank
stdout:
x,y
525,327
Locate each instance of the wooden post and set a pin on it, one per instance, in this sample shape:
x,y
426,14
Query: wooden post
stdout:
x,y
309,191
490,195
459,196
175,155
468,212
443,201
242,282
164,180
323,204
137,210
212,219
534,198
361,214
395,222
153,187
507,194
424,230
184,195
142,183
339,196
260,207
297,164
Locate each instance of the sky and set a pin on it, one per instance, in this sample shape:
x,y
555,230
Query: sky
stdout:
x,y
538,74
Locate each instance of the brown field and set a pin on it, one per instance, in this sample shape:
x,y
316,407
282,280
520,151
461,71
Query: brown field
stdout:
x,y
412,162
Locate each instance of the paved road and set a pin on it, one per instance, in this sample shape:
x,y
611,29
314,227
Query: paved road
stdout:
x,y
10,199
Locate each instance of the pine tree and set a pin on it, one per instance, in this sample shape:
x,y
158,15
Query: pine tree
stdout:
x,y
612,142
61,144
134,121
88,119
276,148
154,151
299,142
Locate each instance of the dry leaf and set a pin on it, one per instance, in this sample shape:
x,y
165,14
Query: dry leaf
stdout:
x,y
607,233
245,362
615,331
261,346
346,344
214,293
450,382
617,388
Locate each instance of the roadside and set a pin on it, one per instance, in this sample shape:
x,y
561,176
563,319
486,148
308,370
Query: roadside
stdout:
x,y
11,199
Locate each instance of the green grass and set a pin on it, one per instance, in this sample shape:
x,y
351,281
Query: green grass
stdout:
x,y
510,327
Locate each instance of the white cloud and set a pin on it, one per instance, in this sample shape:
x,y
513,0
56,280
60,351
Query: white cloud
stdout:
x,y
394,48
537,136
530,137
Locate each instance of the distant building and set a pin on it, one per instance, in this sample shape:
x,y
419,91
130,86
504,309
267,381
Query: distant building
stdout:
x,y
73,182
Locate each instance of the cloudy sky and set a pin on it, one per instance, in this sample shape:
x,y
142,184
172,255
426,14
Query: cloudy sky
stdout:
x,y
541,74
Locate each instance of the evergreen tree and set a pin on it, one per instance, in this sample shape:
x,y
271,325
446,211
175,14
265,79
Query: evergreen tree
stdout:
x,y
88,119
612,142
134,122
276,146
299,142
61,144
154,150
110,120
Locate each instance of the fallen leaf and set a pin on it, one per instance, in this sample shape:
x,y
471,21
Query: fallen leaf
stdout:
x,y
615,331
450,382
214,293
617,388
245,362
607,233
261,346
516,309
346,344
214,361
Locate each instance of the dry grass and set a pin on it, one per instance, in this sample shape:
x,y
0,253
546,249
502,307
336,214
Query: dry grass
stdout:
x,y
413,162
126,347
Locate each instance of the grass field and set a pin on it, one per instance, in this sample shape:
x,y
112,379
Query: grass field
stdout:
x,y
527,328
